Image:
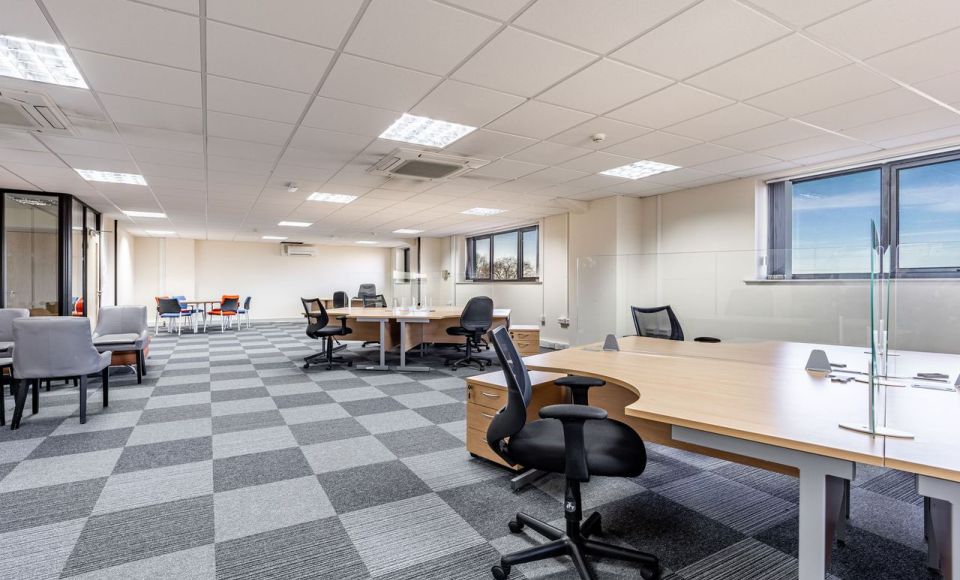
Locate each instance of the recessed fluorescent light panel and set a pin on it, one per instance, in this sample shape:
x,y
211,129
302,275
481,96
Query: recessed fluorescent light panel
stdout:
x,y
111,177
160,232
425,131
485,211
32,60
145,214
295,224
366,242
274,237
331,197
639,169
406,231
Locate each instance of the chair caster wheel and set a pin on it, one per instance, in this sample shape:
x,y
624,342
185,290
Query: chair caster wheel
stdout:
x,y
500,572
515,526
650,572
306,366
350,364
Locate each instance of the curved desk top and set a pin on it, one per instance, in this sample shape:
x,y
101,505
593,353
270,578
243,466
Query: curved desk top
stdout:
x,y
429,313
738,393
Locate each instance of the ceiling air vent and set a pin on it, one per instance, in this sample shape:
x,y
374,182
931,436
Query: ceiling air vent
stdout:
x,y
413,164
31,112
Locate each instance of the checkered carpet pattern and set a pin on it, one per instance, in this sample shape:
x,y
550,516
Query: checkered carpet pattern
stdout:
x,y
231,461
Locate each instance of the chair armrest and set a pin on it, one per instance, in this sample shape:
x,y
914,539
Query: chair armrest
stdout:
x,y
573,413
579,387
573,417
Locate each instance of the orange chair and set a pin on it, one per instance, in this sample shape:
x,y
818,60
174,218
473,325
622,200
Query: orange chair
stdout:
x,y
229,304
77,308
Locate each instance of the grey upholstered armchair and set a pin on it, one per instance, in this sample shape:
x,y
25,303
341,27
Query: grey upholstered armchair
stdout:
x,y
123,329
7,316
55,347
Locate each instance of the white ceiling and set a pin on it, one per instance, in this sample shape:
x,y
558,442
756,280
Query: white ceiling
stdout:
x,y
220,103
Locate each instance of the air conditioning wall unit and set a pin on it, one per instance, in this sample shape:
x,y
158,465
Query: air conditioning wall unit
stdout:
x,y
31,111
297,250
424,165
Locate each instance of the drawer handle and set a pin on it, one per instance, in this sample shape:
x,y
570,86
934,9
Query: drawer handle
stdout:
x,y
491,395
487,416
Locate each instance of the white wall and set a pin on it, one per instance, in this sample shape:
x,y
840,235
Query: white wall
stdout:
x,y
125,269
208,269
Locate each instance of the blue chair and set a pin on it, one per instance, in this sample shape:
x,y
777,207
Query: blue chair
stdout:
x,y
188,310
169,310
243,313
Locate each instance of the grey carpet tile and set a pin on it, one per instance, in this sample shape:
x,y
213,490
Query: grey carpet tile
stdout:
x,y
286,473
259,468
655,524
236,394
473,503
372,406
301,400
174,414
81,443
897,485
152,455
444,413
247,421
126,536
330,430
47,505
410,442
371,485
317,549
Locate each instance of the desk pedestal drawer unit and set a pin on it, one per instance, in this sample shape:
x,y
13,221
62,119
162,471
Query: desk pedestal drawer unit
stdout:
x,y
487,394
527,339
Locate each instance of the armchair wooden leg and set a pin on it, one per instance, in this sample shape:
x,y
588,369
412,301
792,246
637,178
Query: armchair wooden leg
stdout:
x,y
105,379
36,396
83,399
20,399
3,409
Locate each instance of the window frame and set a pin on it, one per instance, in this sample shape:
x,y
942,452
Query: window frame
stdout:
x,y
780,236
487,238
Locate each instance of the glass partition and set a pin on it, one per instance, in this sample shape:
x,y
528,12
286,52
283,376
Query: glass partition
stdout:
x,y
725,295
32,253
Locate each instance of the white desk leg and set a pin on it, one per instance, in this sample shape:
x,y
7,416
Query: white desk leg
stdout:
x,y
944,528
821,491
383,348
403,347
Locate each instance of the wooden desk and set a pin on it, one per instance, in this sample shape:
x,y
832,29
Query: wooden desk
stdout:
x,y
406,328
752,403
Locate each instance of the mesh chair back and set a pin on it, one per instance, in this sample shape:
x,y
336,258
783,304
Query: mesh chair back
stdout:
x,y
658,322
367,291
477,315
312,306
377,301
340,299
229,303
168,306
510,419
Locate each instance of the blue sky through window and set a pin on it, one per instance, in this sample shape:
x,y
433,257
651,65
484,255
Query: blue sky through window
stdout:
x,y
930,215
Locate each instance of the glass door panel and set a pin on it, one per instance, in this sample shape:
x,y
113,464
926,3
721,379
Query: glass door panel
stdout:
x,y
31,245
92,306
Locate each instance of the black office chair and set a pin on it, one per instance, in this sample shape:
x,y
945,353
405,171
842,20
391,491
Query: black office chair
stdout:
x,y
576,440
375,301
661,322
367,291
340,299
475,320
318,327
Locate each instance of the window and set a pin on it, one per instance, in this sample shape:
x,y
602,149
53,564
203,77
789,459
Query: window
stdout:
x,y
820,226
504,256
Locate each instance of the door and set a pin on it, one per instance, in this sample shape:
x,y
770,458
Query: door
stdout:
x,y
31,253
